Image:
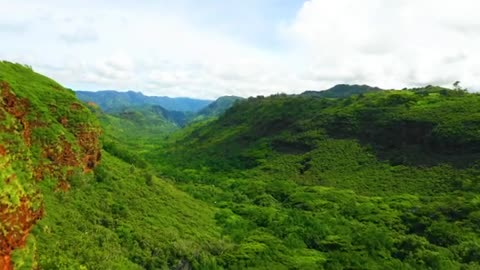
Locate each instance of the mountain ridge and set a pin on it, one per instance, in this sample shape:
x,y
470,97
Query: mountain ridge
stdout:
x,y
342,90
219,106
112,100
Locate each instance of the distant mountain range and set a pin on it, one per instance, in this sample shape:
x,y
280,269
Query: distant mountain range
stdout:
x,y
179,111
114,101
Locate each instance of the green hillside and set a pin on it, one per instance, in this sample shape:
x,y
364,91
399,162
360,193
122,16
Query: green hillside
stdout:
x,y
341,91
46,135
135,130
219,106
123,217
385,180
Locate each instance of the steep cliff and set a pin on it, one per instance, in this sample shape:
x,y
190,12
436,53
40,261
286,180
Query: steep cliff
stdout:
x,y
45,133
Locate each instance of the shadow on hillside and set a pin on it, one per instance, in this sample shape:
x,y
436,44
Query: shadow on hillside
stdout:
x,y
413,155
411,142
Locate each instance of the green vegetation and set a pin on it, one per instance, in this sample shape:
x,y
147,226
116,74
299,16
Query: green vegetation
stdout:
x,y
134,127
125,218
385,180
375,180
342,91
46,134
152,112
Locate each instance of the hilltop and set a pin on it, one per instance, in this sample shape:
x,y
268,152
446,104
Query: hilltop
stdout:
x,y
219,106
341,91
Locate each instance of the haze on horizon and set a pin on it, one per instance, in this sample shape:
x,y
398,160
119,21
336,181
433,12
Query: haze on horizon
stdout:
x,y
206,49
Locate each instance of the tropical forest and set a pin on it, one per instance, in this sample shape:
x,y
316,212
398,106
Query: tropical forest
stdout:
x,y
256,135
362,179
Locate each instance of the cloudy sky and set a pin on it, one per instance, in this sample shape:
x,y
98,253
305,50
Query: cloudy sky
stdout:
x,y
210,48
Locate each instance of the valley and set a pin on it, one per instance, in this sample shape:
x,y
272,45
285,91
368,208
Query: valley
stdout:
x,y
353,177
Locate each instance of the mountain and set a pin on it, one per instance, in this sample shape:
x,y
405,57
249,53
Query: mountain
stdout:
x,y
384,180
411,127
219,106
113,101
342,90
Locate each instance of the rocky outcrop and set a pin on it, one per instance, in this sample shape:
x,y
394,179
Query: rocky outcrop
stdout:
x,y
45,134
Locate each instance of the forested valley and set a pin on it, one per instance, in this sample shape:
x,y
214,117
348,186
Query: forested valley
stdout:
x,y
354,177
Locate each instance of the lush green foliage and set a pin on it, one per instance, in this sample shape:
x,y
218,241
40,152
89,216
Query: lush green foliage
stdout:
x,y
46,134
123,217
381,180
341,91
386,180
218,107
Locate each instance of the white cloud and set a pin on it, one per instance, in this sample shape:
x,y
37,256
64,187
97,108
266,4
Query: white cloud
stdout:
x,y
390,43
79,35
160,49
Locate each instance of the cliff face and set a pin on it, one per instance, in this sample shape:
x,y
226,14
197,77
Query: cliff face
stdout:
x,y
45,133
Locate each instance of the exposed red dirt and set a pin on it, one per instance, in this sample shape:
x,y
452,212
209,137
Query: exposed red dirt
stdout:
x,y
88,139
62,186
93,104
60,157
3,151
18,107
6,262
64,121
17,222
76,106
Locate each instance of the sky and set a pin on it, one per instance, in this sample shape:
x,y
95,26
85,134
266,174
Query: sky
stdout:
x,y
210,48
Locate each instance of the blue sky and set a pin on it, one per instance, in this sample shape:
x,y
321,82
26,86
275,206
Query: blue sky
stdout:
x,y
252,21
211,48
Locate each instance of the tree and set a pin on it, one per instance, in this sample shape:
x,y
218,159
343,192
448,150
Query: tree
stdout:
x,y
456,86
